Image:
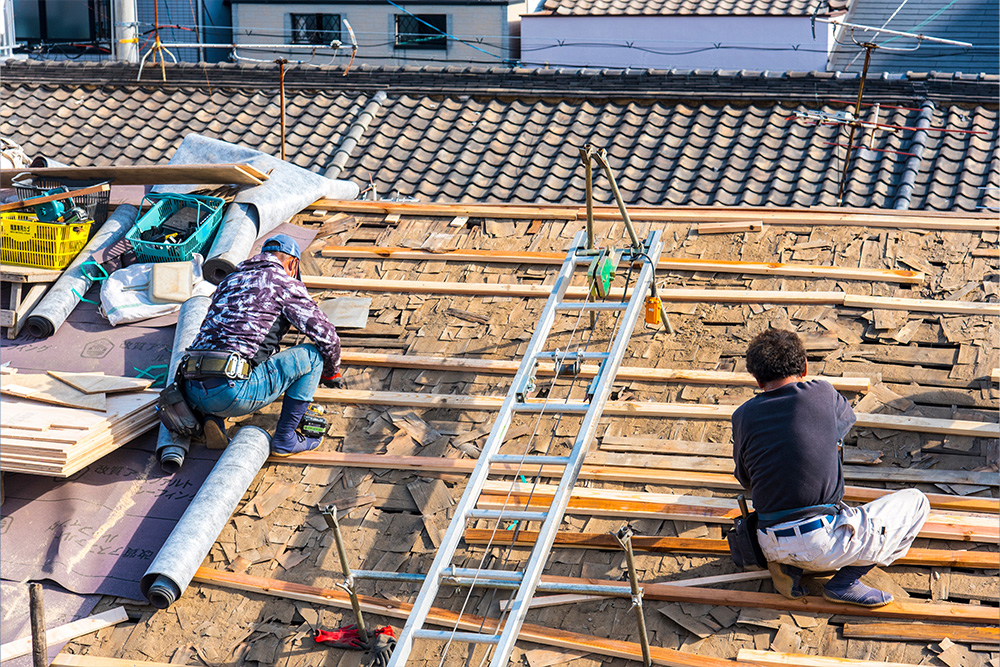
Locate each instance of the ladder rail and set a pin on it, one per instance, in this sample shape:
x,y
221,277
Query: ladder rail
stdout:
x,y
518,608
453,535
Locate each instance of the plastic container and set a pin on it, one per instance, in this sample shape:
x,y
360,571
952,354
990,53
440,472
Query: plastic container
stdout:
x,y
96,203
25,241
208,211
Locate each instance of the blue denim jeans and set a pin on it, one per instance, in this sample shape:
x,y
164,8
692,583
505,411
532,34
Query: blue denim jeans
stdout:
x,y
294,372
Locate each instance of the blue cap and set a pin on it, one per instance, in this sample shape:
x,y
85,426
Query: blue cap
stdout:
x,y
282,243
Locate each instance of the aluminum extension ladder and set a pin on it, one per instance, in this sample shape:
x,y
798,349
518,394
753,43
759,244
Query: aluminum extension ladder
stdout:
x,y
526,582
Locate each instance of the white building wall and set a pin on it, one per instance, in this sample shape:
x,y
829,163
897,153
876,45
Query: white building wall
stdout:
x,y
776,43
374,27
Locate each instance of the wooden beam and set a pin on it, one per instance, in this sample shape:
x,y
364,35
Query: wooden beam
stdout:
x,y
923,632
730,227
628,504
668,295
146,174
665,264
694,214
922,476
547,368
976,560
76,660
573,598
775,659
449,619
650,409
66,632
444,465
34,201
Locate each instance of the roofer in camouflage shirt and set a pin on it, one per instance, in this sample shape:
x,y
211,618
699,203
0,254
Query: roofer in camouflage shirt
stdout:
x,y
251,311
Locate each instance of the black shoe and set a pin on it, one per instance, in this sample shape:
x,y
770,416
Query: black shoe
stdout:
x,y
287,440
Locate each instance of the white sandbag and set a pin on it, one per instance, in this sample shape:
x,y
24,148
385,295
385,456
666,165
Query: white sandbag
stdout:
x,y
125,294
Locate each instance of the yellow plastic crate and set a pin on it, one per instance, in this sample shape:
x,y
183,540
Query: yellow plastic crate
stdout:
x,y
27,242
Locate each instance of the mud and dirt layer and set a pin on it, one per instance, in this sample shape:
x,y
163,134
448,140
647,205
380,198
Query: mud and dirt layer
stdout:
x,y
939,365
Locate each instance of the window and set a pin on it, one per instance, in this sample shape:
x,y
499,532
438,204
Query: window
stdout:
x,y
78,21
422,31
315,28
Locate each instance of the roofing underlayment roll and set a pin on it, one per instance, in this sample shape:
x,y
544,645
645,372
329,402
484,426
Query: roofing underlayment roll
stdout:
x,y
171,448
67,292
257,210
189,542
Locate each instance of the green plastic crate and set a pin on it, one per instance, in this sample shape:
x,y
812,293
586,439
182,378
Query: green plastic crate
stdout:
x,y
163,205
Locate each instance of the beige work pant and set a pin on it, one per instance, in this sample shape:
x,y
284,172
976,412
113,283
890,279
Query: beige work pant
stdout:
x,y
877,533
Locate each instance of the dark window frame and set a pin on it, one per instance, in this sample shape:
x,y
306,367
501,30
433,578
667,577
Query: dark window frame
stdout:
x,y
411,33
99,26
315,28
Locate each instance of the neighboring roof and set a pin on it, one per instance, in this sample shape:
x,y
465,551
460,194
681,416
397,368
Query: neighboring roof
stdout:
x,y
693,7
497,143
973,21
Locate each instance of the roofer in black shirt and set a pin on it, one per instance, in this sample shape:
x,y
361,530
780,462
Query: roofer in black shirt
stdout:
x,y
786,444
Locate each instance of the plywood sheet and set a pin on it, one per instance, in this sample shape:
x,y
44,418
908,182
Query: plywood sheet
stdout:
x,y
99,383
50,390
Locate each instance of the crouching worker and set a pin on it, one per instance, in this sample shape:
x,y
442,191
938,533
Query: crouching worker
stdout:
x,y
785,445
231,368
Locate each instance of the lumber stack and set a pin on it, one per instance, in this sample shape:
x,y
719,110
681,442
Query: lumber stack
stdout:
x,y
58,440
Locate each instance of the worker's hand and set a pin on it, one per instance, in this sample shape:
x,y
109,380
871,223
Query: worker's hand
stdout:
x,y
332,381
345,637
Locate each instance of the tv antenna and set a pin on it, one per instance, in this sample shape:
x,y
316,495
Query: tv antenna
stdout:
x,y
852,118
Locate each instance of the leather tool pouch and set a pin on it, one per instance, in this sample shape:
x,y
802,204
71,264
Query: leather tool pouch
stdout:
x,y
175,413
743,545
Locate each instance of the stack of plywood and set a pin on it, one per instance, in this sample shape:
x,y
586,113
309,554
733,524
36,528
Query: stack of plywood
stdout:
x,y
47,430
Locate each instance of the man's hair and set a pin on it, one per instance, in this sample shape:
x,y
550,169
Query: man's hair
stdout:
x,y
776,354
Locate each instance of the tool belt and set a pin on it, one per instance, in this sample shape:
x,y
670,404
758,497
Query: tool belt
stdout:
x,y
201,364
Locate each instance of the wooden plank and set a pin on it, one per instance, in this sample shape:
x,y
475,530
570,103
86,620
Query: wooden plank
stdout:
x,y
443,465
982,560
547,368
924,476
923,632
34,201
40,387
573,598
650,409
25,307
922,305
442,617
10,273
670,295
64,633
627,504
775,659
665,264
146,174
614,443
77,660
99,383
788,217
730,227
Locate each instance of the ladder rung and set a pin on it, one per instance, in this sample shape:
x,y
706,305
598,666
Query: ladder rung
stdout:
x,y
448,635
587,305
561,354
508,575
542,406
529,460
507,515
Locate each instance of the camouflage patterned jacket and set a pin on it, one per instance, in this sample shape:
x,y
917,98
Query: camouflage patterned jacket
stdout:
x,y
249,300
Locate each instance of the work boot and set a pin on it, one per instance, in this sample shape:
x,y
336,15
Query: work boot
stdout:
x,y
215,432
786,580
846,588
287,440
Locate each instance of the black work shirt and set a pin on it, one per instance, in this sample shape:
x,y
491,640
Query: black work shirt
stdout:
x,y
785,445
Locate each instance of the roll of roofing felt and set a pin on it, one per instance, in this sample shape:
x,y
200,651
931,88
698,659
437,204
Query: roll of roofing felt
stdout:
x,y
233,242
190,540
171,448
67,292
